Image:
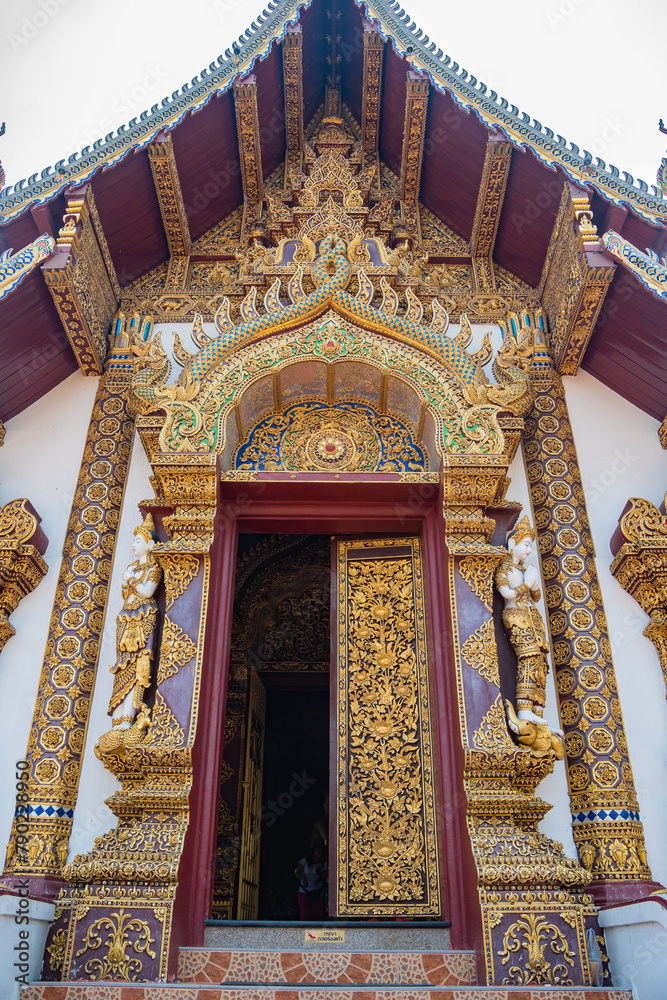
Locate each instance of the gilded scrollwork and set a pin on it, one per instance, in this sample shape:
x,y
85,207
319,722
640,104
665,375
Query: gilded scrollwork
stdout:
x,y
177,650
478,574
179,570
22,566
116,964
549,959
165,729
348,437
640,566
386,848
479,651
573,288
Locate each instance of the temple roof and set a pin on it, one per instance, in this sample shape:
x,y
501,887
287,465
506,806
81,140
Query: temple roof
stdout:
x,y
626,352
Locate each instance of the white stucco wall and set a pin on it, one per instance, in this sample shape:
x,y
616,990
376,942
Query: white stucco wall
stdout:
x,y
40,460
620,457
92,817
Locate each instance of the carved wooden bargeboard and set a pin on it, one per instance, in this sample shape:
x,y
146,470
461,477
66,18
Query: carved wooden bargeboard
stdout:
x,y
385,854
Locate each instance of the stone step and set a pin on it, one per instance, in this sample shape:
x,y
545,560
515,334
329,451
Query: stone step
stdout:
x,y
183,991
237,935
342,968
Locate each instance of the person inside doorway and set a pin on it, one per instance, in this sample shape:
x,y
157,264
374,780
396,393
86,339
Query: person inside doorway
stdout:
x,y
311,871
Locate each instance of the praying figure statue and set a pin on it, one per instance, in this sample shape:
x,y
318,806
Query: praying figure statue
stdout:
x,y
136,629
517,582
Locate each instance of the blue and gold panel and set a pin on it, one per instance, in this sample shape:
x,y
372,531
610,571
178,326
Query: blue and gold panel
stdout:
x,y
317,437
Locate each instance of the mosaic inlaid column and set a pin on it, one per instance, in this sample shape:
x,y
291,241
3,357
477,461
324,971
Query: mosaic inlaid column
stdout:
x,y
58,730
605,814
533,916
114,920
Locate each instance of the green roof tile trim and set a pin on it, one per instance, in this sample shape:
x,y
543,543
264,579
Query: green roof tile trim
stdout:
x,y
409,41
496,113
80,167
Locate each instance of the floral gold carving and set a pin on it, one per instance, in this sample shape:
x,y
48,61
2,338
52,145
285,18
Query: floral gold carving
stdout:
x,y
168,189
179,571
480,652
534,934
292,76
386,837
165,729
250,156
487,213
116,964
573,288
82,281
22,566
478,574
640,566
176,650
371,92
414,129
492,731
56,950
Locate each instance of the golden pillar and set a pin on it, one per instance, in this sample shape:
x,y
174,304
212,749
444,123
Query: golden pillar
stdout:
x,y
533,917
127,884
605,814
60,719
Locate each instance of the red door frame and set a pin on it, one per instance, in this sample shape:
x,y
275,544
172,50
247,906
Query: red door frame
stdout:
x,y
313,505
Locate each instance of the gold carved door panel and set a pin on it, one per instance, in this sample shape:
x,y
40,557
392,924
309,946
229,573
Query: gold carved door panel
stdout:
x,y
385,853
248,894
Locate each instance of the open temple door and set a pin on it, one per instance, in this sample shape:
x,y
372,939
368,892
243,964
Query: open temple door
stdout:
x,y
248,894
384,849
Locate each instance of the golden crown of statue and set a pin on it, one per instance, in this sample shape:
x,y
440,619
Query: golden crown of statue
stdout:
x,y
522,529
147,529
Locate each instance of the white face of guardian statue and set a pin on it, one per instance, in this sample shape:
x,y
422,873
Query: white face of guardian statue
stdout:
x,y
522,548
140,546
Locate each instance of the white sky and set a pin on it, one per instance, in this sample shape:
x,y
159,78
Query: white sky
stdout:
x,y
73,70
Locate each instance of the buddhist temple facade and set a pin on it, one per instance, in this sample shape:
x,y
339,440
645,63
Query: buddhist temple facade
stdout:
x,y
334,545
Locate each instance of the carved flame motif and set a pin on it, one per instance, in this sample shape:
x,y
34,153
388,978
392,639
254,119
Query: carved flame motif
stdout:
x,y
390,851
534,933
116,964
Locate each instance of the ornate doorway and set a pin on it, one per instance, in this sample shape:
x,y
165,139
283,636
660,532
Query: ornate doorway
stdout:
x,y
275,768
382,835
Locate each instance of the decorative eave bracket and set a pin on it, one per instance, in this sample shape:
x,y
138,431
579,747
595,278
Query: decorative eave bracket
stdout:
x,y
414,129
22,545
639,546
490,199
293,84
575,279
82,280
168,190
250,153
372,93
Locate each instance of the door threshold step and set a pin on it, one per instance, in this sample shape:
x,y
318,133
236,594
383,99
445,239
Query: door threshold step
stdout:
x,y
299,937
